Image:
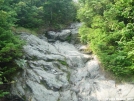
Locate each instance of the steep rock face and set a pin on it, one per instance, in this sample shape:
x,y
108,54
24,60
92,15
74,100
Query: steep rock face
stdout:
x,y
59,72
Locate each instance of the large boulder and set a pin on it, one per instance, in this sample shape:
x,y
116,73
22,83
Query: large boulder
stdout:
x,y
70,34
64,35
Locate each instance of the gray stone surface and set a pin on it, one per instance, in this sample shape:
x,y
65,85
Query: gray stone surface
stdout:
x,y
64,35
68,96
70,34
59,71
74,32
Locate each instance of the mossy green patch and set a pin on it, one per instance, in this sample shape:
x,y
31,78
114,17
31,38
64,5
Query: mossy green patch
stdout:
x,y
22,29
68,38
63,62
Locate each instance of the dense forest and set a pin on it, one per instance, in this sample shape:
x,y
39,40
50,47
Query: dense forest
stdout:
x,y
109,30
35,13
32,14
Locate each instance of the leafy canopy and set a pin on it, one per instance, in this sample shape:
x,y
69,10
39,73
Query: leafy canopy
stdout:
x,y
109,29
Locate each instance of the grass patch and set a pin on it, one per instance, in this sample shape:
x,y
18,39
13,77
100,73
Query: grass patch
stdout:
x,y
22,29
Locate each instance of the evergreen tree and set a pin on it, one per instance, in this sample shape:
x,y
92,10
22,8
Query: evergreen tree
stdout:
x,y
59,12
35,13
10,48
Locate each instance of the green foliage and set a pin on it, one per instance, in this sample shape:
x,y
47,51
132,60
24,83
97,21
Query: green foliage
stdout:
x,y
59,12
28,16
2,93
10,48
108,28
38,13
9,44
